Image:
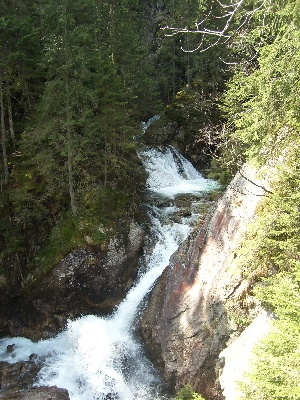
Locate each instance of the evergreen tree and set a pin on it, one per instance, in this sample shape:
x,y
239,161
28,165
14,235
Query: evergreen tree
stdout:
x,y
19,71
76,151
84,114
263,126
259,105
271,256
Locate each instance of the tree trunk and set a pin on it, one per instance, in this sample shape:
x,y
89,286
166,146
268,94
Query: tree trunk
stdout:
x,y
10,117
70,170
112,29
3,134
174,72
188,70
70,153
69,121
105,151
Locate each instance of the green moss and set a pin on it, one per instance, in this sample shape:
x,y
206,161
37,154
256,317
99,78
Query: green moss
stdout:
x,y
187,393
241,320
221,169
93,226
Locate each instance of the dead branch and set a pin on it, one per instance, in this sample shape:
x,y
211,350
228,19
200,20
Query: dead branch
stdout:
x,y
230,11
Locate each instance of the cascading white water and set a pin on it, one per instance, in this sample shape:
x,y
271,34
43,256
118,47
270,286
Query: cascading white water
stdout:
x,y
170,173
145,125
101,357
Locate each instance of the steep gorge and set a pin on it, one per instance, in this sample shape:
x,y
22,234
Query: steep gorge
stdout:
x,y
99,356
202,301
194,306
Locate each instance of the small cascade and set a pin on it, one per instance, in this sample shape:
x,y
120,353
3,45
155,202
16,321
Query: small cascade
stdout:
x,y
102,357
146,124
171,174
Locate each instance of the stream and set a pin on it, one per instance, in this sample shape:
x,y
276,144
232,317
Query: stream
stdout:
x,y
103,357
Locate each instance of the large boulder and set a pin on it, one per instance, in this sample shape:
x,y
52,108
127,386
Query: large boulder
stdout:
x,y
190,316
16,382
88,280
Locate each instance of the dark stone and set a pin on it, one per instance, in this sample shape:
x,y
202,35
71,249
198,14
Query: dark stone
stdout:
x,y
16,381
10,348
40,393
91,280
21,374
46,393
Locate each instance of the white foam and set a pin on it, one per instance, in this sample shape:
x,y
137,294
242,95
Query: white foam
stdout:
x,y
171,174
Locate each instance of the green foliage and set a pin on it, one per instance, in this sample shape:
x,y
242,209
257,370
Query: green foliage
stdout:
x,y
196,117
77,99
178,65
78,77
272,243
276,369
270,256
261,104
262,107
190,108
223,165
93,226
68,234
187,393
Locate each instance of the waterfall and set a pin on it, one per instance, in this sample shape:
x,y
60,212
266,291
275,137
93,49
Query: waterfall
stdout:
x,y
145,125
171,174
102,357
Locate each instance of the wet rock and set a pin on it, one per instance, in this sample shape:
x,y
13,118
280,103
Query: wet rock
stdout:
x,y
46,393
189,318
10,348
39,393
17,381
86,281
12,375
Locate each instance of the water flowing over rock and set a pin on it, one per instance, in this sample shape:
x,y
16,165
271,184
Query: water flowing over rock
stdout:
x,y
188,321
102,357
89,280
189,318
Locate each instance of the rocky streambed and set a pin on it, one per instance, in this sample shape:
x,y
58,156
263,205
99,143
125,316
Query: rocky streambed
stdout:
x,y
86,281
95,356
190,317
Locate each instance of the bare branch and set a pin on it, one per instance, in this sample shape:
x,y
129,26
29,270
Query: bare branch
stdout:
x,y
255,184
230,10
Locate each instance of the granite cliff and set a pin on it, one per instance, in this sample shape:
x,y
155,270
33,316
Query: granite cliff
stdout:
x,y
191,316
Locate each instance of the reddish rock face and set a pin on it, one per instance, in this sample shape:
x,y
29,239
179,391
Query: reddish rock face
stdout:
x,y
187,323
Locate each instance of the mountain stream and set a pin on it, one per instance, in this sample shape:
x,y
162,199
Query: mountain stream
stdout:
x,y
103,357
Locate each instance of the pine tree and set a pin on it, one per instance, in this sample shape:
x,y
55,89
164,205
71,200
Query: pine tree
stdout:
x,y
263,115
19,47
